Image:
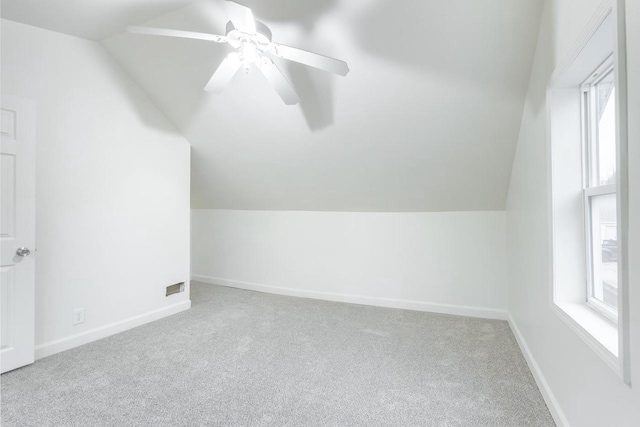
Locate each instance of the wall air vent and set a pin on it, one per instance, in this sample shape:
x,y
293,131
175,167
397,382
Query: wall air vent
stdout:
x,y
175,289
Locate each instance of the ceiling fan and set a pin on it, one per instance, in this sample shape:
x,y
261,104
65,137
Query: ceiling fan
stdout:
x,y
252,41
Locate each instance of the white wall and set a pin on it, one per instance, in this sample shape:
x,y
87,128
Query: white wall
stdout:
x,y
112,189
449,262
583,388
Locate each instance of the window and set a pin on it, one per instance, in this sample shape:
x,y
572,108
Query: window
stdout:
x,y
588,212
599,193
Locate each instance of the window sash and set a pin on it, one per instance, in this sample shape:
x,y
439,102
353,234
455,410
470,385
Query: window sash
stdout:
x,y
597,305
591,179
589,94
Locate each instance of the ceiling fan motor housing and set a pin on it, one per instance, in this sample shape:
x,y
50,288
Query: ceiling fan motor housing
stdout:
x,y
261,38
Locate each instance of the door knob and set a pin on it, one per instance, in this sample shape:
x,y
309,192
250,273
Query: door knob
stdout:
x,y
23,252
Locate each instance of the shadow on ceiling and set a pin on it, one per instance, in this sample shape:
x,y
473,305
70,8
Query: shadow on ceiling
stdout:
x,y
304,12
457,38
315,90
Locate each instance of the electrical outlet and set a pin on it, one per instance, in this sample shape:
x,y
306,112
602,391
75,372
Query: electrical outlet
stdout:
x,y
78,316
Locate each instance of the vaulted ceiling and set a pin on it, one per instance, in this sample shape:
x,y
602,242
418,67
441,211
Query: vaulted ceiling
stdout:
x,y
427,120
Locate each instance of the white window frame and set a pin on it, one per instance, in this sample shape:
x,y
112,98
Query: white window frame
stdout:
x,y
592,188
567,262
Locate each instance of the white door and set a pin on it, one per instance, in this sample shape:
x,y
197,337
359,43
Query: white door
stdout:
x,y
17,232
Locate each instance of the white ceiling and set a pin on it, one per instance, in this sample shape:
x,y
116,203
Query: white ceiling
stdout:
x,y
427,120
90,19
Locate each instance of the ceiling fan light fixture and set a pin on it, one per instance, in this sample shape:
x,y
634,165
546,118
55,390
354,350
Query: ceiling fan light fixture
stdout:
x,y
254,45
249,54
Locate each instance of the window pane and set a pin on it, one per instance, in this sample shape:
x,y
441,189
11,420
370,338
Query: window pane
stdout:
x,y
604,244
606,140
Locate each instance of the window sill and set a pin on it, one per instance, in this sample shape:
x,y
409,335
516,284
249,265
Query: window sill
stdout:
x,y
600,334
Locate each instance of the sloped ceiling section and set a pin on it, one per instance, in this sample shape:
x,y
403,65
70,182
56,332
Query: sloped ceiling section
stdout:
x,y
89,19
427,120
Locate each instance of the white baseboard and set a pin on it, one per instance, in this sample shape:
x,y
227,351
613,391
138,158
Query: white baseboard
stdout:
x,y
547,394
458,310
67,343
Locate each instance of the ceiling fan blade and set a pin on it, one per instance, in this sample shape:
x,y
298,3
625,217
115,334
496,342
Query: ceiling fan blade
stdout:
x,y
224,74
312,59
241,16
278,81
176,33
